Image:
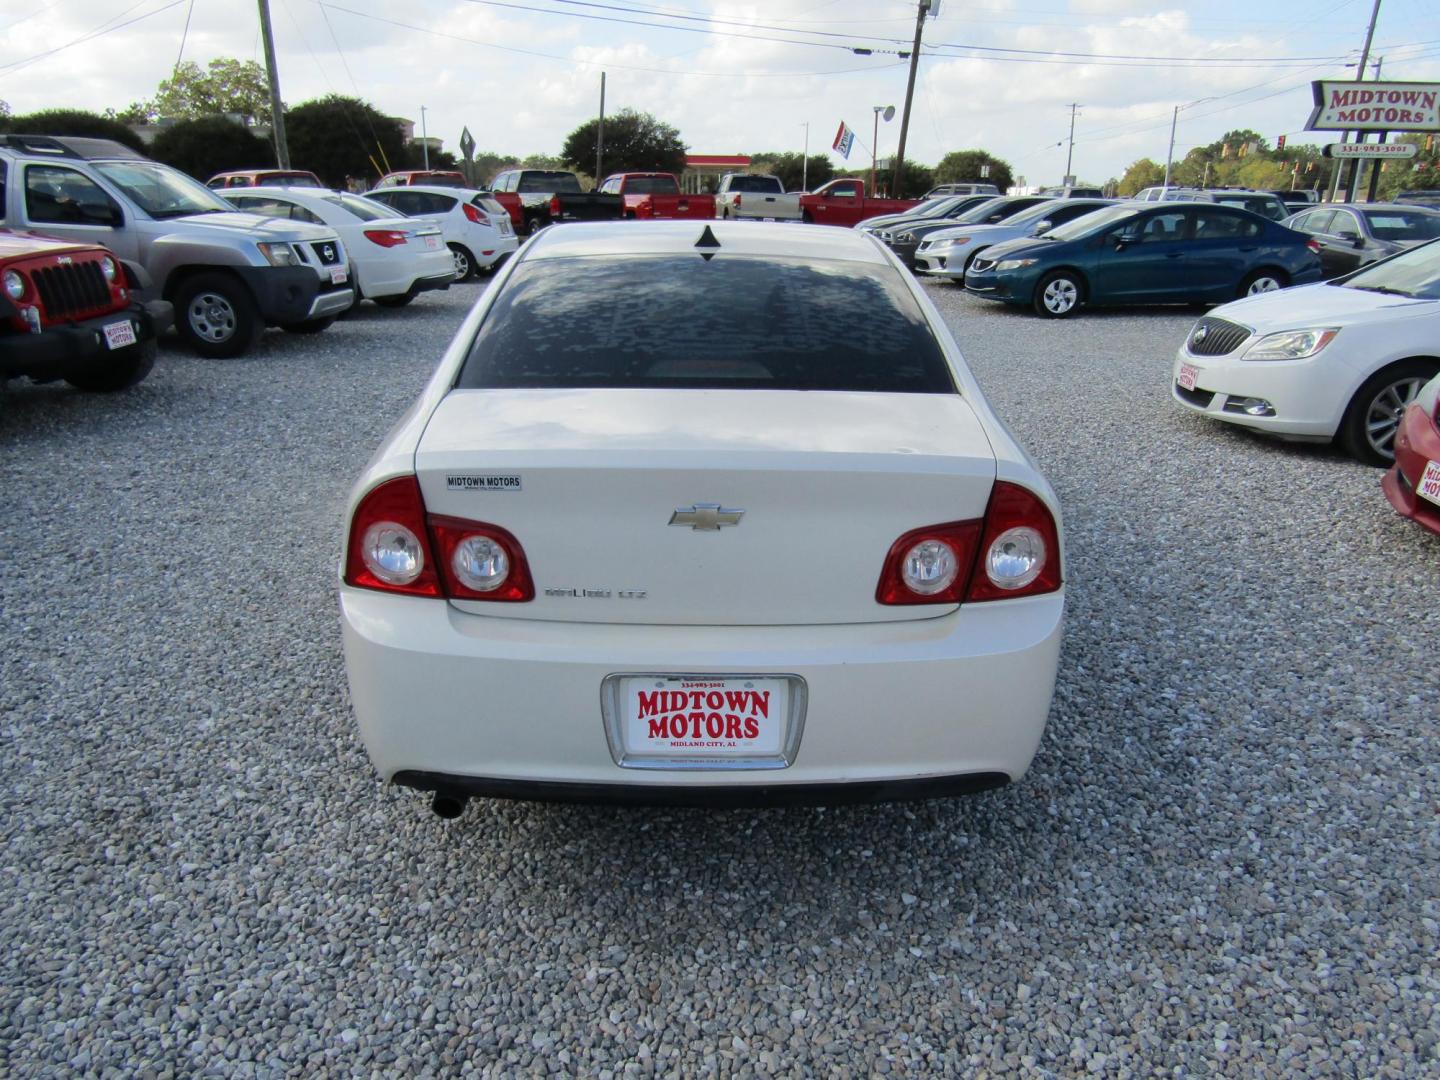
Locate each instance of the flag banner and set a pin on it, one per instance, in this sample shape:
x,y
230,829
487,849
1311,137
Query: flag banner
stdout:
x,y
844,140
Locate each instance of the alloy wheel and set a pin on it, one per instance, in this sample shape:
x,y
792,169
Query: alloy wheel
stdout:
x,y
1382,416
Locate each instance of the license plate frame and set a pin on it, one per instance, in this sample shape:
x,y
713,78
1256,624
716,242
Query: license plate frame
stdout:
x,y
776,748
433,242
119,335
1428,486
1187,376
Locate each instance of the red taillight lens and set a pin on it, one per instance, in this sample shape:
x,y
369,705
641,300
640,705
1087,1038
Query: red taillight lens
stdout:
x,y
473,213
386,238
555,206
737,201
1019,554
1314,245
930,565
388,548
481,562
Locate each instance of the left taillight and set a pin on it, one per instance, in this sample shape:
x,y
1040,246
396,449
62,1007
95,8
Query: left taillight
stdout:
x,y
555,207
388,548
395,546
474,214
1314,245
386,238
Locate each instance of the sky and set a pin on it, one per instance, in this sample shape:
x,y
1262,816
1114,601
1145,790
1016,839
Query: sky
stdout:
x,y
999,75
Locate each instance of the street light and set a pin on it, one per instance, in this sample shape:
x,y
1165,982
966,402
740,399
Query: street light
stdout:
x,y
424,139
805,159
889,111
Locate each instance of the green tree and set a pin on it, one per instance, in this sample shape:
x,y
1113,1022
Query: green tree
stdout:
x,y
792,169
634,142
918,179
225,86
211,145
338,136
963,167
1141,174
72,122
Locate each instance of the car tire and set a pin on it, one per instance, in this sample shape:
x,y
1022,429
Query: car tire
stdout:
x,y
806,218
1263,281
216,316
309,326
120,369
1059,295
398,300
1368,430
464,262
534,225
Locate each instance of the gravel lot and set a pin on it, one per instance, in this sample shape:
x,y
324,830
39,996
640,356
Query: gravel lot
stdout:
x,y
1224,859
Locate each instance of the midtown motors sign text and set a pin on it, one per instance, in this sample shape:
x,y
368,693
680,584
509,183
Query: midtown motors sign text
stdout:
x,y
1375,106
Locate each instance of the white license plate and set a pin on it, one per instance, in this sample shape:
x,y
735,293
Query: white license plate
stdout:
x,y
433,243
119,334
1429,485
1188,374
700,721
337,275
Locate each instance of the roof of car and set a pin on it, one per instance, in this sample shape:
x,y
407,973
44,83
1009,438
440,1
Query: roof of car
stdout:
x,y
433,189
69,146
780,239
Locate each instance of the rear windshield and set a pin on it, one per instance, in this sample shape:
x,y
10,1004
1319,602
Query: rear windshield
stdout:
x,y
769,184
539,183
364,209
680,321
651,185
1393,224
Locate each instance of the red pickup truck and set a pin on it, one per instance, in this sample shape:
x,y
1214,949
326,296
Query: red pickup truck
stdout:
x,y
657,195
844,202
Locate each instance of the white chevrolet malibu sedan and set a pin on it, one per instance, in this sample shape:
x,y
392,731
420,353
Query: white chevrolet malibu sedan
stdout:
x,y
701,513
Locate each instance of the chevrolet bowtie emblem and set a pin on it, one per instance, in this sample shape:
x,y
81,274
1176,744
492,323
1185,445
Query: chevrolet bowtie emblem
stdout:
x,y
705,517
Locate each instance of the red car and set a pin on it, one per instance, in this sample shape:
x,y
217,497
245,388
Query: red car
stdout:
x,y
69,311
247,178
433,177
1413,484
656,195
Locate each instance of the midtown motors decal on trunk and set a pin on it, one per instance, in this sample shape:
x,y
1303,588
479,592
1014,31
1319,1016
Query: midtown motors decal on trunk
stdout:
x,y
482,481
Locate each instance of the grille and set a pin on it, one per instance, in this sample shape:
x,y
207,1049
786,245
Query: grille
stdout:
x,y
1216,337
980,265
1199,398
328,251
67,290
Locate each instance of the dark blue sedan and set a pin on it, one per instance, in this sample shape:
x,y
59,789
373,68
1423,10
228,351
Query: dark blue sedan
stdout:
x,y
1146,253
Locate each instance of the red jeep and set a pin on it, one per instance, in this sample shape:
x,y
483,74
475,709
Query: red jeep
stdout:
x,y
69,311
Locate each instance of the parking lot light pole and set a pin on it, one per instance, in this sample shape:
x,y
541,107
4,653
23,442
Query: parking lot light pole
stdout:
x,y
424,139
805,162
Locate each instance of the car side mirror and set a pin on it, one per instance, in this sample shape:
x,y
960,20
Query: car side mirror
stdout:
x,y
1358,241
1042,228
1124,240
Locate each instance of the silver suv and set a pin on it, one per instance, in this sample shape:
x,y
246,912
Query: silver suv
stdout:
x,y
228,274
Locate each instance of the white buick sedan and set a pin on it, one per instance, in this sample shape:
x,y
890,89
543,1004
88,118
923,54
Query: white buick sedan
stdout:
x,y
701,513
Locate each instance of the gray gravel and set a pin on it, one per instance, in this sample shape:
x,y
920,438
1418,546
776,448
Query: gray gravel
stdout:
x,y
1224,860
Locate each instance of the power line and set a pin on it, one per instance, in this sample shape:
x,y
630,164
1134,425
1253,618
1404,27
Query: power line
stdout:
x,y
100,31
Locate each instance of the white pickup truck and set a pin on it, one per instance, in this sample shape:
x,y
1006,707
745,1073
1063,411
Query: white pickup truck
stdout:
x,y
751,195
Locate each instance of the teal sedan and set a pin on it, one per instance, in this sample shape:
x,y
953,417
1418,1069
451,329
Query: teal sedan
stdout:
x,y
1146,253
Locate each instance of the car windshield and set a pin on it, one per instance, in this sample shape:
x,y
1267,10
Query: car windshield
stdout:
x,y
1038,212
1086,224
162,192
980,211
1397,224
1267,208
1413,273
364,209
711,322
938,207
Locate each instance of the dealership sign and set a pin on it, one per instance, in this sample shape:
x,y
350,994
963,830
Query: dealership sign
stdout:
x,y
1375,106
1371,150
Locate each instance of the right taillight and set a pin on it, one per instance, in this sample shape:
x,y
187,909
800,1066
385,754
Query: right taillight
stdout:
x,y
388,549
737,201
1019,554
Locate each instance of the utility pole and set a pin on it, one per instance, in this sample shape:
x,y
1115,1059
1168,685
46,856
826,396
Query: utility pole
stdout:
x,y
277,108
1070,154
898,174
805,162
1170,154
1375,166
600,135
1345,135
424,139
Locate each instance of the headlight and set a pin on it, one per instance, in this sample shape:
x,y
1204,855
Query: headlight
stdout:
x,y
1015,264
279,254
108,268
1291,344
905,238
14,284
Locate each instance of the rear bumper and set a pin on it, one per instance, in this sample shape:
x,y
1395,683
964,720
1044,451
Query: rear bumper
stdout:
x,y
512,708
1417,444
62,350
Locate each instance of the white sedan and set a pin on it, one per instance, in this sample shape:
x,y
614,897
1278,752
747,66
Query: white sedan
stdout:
x,y
1339,360
477,228
701,513
394,258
